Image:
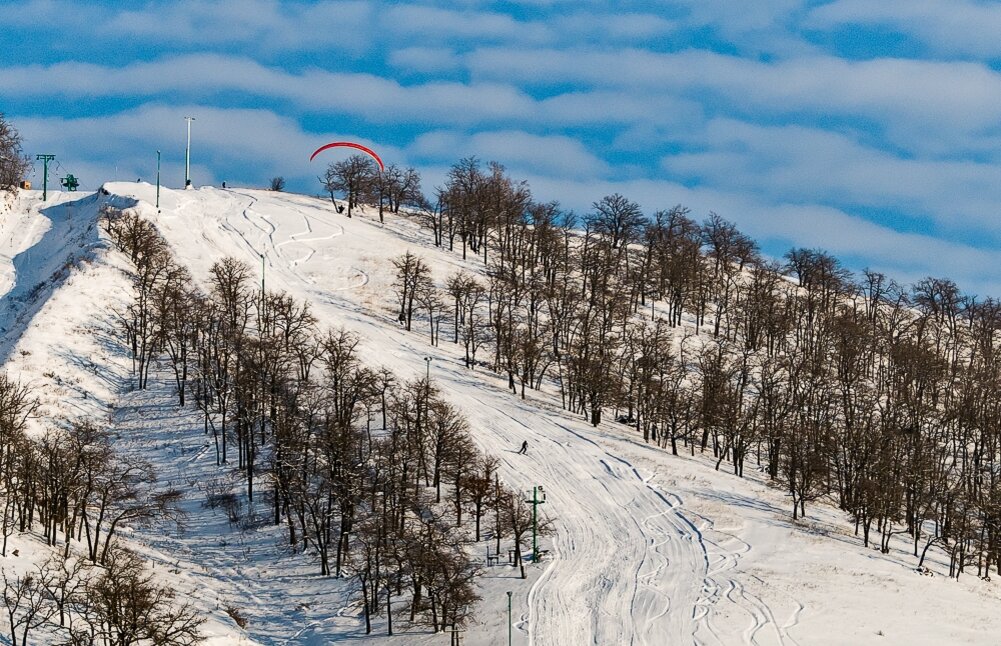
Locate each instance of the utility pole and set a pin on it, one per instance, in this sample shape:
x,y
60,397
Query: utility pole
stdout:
x,y
535,502
187,155
508,618
158,181
45,174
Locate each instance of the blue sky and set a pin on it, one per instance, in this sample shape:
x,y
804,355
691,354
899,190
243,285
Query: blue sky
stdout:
x,y
870,129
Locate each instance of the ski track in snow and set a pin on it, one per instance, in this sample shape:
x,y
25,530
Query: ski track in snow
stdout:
x,y
721,587
626,562
253,214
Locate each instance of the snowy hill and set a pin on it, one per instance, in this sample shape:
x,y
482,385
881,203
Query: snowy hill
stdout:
x,y
648,548
55,275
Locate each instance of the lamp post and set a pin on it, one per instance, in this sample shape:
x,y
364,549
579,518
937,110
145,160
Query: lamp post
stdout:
x,y
428,361
262,282
158,181
187,155
508,618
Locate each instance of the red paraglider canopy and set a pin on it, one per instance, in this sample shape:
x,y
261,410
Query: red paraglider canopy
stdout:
x,y
349,144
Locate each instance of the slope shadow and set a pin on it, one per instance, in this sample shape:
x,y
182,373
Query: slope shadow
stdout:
x,y
73,237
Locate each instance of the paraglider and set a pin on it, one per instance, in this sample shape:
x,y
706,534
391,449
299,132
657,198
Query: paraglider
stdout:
x,y
349,144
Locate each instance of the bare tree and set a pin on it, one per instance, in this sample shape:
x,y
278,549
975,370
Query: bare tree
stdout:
x,y
618,218
65,578
14,165
479,489
353,177
27,603
129,607
413,277
467,295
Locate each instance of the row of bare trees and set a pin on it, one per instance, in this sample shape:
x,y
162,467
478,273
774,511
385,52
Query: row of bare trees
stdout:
x,y
69,601
879,398
360,181
378,478
71,487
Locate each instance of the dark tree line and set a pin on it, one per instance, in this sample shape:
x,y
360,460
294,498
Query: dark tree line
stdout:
x,y
854,389
378,478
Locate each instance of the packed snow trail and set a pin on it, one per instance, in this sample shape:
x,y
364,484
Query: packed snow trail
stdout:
x,y
626,566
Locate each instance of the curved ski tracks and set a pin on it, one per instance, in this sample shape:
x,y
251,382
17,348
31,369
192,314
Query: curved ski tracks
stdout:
x,y
723,588
627,566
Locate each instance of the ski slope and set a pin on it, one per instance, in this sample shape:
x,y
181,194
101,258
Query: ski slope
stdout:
x,y
648,548
602,571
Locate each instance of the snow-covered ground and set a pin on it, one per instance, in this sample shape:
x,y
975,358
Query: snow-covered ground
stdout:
x,y
51,259
648,549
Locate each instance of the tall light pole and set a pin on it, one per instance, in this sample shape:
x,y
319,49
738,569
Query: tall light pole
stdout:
x,y
158,181
187,155
262,282
428,361
508,618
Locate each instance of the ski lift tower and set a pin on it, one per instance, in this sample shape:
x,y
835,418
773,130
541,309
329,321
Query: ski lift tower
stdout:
x,y
535,502
45,159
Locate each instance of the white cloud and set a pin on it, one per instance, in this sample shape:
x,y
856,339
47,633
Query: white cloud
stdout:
x,y
922,105
947,26
740,17
759,27
223,142
552,155
781,225
260,25
809,164
373,97
436,24
424,59
625,27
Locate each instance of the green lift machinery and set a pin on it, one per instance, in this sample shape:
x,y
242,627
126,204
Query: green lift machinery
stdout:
x,y
70,183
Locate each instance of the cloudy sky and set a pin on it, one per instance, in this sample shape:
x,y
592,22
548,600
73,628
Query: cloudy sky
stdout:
x,y
870,129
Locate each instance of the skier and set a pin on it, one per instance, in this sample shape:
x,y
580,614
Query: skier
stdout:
x,y
524,448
